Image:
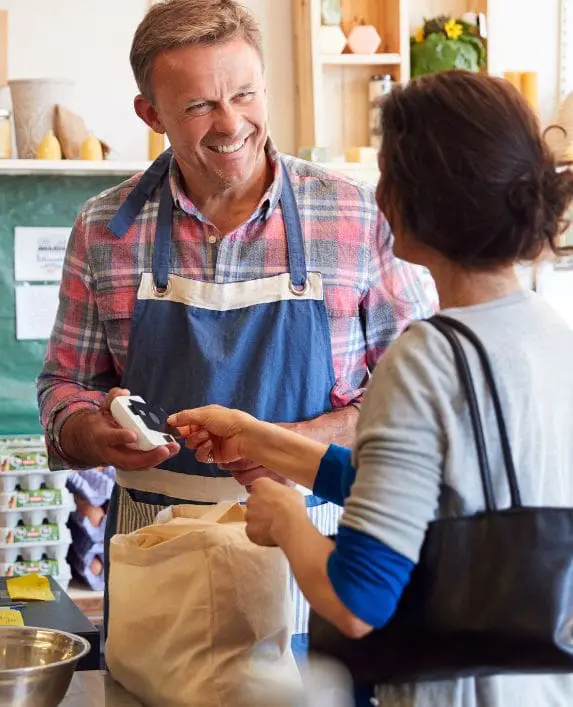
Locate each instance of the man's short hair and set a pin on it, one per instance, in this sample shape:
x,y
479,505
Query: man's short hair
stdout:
x,y
178,23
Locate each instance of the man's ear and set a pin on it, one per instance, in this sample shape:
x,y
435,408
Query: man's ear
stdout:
x,y
147,112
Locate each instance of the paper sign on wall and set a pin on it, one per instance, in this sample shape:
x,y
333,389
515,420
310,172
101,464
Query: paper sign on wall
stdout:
x,y
36,309
39,253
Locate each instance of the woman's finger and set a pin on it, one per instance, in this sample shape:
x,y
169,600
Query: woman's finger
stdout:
x,y
197,417
196,439
203,451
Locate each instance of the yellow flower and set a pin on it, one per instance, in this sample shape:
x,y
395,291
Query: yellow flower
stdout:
x,y
419,36
452,29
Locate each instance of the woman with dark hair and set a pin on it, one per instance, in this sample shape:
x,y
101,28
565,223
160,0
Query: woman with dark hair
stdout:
x,y
470,189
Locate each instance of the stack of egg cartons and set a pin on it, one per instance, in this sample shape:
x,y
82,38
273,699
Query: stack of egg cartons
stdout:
x,y
91,489
34,509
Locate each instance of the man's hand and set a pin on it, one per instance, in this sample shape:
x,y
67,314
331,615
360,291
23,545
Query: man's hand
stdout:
x,y
246,472
96,439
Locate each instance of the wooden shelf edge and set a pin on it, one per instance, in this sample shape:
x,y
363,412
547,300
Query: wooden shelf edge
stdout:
x,y
360,59
70,167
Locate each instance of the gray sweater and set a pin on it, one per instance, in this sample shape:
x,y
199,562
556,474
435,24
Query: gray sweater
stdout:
x,y
415,455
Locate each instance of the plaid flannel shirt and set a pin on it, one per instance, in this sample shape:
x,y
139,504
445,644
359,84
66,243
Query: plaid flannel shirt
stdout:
x,y
370,296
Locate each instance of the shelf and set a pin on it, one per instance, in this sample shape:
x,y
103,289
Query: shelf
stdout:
x,y
360,59
79,168
70,167
367,173
332,90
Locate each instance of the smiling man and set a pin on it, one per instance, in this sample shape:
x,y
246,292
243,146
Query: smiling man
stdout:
x,y
227,273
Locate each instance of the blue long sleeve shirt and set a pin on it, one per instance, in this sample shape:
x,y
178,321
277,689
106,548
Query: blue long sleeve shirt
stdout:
x,y
368,576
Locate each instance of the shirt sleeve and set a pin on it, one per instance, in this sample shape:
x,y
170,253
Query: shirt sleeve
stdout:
x,y
78,369
401,442
368,577
335,475
398,294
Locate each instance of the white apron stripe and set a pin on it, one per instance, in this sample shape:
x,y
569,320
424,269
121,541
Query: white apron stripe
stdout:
x,y
205,489
226,296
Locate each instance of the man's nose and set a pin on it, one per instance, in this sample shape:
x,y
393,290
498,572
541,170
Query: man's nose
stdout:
x,y
228,120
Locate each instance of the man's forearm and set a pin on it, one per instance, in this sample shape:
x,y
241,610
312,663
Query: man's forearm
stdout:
x,y
297,457
70,441
337,427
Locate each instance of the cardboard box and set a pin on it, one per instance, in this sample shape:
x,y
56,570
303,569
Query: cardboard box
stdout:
x,y
3,47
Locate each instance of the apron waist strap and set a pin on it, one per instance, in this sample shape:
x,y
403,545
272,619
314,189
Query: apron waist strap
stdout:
x,y
195,489
187,487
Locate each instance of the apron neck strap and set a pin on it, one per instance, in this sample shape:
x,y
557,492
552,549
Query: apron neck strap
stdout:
x,y
157,174
131,207
162,245
293,229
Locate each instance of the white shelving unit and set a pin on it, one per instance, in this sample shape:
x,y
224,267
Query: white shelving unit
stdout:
x,y
70,167
332,91
360,60
364,172
332,104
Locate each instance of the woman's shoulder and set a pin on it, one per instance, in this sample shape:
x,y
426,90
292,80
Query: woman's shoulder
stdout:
x,y
420,347
417,369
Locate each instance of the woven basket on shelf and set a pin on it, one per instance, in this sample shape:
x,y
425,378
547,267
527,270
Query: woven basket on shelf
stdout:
x,y
34,101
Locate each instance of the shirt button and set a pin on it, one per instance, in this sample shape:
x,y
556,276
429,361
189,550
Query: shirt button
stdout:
x,y
212,240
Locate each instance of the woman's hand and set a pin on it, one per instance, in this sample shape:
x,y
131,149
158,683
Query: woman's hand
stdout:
x,y
273,509
217,434
248,448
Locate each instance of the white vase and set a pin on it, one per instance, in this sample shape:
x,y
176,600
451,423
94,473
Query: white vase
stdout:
x,y
34,101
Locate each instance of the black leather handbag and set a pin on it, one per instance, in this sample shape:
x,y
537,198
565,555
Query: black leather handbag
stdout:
x,y
492,592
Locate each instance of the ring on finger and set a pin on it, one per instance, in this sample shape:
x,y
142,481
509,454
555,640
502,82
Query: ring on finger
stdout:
x,y
210,458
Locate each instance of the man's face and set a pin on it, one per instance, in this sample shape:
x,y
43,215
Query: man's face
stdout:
x,y
211,102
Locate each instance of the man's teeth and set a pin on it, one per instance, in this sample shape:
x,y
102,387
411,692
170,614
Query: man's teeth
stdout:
x,y
226,149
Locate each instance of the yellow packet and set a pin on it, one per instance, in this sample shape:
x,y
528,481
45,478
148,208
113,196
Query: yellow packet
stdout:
x,y
10,617
31,586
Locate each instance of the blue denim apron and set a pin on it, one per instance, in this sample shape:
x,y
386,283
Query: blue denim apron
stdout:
x,y
262,346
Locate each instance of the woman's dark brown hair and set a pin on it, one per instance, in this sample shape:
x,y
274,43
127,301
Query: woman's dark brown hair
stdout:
x,y
466,170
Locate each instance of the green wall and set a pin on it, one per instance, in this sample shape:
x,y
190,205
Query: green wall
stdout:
x,y
33,200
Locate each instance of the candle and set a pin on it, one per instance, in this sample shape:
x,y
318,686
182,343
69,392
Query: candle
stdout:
x,y
529,89
156,144
514,78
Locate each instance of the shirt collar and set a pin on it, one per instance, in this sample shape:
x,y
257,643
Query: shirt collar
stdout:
x,y
265,207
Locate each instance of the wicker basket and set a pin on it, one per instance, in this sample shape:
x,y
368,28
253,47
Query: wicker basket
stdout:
x,y
34,101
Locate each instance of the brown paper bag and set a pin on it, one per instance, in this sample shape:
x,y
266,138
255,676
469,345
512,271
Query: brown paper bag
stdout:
x,y
198,613
72,132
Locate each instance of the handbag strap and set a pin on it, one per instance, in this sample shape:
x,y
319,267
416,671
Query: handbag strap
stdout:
x,y
472,337
448,327
468,385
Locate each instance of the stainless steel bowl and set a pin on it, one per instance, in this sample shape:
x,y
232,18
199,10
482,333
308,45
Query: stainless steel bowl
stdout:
x,y
36,665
